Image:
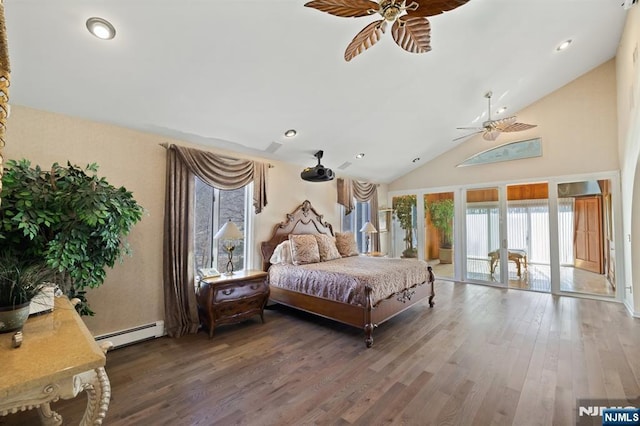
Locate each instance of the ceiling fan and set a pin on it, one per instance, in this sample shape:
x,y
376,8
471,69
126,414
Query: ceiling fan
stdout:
x,y
411,31
491,129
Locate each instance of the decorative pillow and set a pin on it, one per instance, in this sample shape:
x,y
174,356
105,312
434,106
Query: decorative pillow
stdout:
x,y
327,247
304,249
282,254
346,244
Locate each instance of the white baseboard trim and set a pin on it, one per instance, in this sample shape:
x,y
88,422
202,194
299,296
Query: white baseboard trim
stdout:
x,y
133,335
630,309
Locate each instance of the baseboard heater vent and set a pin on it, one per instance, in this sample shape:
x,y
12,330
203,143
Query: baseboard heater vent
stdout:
x,y
133,335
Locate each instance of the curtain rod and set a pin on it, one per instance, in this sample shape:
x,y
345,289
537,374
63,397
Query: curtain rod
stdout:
x,y
165,145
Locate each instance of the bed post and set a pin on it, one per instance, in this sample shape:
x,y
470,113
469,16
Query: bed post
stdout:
x,y
432,279
368,325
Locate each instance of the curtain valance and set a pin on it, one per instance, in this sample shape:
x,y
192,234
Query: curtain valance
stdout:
x,y
226,173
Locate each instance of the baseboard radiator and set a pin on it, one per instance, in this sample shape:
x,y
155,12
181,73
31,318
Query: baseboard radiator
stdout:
x,y
133,335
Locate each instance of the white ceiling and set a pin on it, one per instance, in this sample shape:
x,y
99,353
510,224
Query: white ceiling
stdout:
x,y
237,74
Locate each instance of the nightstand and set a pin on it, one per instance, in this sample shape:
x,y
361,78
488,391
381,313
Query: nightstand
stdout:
x,y
231,299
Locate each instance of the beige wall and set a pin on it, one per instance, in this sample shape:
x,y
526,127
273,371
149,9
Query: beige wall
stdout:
x,y
577,125
132,293
628,89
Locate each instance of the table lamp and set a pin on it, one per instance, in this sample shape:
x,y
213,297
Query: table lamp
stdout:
x,y
368,229
229,234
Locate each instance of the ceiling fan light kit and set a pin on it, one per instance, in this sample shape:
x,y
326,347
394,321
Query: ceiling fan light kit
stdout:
x,y
411,29
491,129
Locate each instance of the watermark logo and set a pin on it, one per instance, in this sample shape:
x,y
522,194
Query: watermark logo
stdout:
x,y
608,412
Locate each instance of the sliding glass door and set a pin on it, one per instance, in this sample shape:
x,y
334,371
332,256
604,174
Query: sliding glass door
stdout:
x,y
528,249
586,237
483,235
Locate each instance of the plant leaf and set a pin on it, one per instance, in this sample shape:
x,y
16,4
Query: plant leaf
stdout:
x,y
345,8
413,34
365,39
426,8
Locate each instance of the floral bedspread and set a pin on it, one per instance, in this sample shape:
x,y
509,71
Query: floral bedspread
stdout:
x,y
345,279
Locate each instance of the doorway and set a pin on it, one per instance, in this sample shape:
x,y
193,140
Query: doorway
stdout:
x,y
585,237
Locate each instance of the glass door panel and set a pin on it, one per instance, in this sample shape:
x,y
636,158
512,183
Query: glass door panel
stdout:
x,y
438,233
483,255
529,259
586,238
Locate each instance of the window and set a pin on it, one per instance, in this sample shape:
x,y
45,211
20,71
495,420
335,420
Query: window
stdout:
x,y
354,221
214,207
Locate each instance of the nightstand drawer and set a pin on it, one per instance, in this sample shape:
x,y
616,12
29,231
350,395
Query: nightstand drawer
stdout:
x,y
239,290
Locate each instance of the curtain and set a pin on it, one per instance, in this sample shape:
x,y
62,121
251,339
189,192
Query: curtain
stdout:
x,y
362,191
181,309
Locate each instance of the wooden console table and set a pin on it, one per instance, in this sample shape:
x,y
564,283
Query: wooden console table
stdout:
x,y
58,358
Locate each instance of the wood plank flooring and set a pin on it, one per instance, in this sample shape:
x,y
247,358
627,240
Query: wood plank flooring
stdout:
x,y
481,356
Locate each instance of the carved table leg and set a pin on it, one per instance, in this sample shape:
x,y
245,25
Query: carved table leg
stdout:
x,y
48,417
96,385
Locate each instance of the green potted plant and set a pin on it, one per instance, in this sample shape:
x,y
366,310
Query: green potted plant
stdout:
x,y
441,215
403,211
67,217
20,282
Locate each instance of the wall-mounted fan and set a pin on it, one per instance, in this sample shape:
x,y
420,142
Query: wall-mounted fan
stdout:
x,y
491,129
411,31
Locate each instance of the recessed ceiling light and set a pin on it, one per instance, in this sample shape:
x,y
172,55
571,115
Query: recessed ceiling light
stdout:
x,y
415,160
501,110
562,46
360,155
101,28
290,133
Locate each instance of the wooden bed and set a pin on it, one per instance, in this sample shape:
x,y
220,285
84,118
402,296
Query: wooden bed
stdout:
x,y
306,220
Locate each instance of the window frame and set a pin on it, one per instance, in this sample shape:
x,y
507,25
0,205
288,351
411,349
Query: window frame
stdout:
x,y
216,223
359,212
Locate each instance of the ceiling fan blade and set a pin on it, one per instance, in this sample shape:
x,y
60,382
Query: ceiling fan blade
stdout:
x,y
365,39
413,34
502,123
466,136
491,135
426,8
518,127
470,128
345,8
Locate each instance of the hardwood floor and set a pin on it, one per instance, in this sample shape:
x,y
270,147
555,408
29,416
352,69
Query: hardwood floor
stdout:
x,y
536,277
481,356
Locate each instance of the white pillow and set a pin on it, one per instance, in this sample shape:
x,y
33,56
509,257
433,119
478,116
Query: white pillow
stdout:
x,y
282,254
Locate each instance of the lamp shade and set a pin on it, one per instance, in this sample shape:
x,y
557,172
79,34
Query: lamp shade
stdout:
x,y
368,228
229,231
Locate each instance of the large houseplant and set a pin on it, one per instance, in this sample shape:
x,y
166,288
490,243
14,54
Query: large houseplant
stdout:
x,y
441,214
20,281
68,217
403,211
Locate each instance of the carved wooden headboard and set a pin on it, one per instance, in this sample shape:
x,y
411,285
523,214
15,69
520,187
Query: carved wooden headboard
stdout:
x,y
303,220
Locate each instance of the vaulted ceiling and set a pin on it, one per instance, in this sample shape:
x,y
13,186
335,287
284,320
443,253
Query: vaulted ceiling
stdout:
x,y
238,74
